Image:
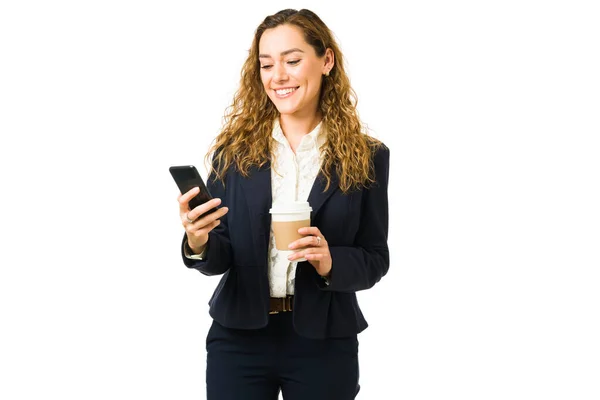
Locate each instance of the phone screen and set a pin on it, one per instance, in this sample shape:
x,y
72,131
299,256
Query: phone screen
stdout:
x,y
187,177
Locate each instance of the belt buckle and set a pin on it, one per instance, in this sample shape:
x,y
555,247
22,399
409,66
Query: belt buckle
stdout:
x,y
284,308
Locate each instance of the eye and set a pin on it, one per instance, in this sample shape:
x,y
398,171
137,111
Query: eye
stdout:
x,y
265,66
293,62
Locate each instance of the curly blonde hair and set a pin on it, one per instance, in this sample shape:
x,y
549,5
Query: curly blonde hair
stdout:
x,y
246,139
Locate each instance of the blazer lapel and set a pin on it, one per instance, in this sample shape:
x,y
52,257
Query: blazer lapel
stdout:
x,y
257,191
318,195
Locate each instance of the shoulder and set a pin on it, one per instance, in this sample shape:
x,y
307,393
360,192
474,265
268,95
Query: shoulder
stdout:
x,y
380,153
381,162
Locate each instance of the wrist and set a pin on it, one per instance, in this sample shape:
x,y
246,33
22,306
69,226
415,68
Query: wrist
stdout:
x,y
195,250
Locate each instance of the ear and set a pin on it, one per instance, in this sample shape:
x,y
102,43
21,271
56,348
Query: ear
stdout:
x,y
329,61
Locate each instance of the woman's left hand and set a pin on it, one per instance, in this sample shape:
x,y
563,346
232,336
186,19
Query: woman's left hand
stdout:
x,y
314,248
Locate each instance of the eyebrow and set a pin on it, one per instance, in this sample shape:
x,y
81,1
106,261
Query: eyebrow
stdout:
x,y
283,53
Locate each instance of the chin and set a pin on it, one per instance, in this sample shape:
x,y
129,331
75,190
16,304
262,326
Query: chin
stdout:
x,y
283,110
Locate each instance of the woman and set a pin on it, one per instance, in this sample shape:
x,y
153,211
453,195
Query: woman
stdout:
x,y
292,134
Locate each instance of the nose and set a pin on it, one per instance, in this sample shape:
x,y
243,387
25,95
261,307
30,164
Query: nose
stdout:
x,y
279,73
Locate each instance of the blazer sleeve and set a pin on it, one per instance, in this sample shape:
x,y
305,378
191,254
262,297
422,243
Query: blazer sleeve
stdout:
x,y
217,258
360,266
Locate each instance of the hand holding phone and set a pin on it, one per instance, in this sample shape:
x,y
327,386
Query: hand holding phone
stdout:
x,y
197,227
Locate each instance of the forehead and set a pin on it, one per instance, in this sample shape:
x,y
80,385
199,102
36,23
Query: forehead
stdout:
x,y
276,40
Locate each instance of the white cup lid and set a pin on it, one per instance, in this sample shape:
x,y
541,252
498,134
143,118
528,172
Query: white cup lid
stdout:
x,y
292,207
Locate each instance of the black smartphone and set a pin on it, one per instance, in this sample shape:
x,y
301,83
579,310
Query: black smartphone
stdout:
x,y
187,177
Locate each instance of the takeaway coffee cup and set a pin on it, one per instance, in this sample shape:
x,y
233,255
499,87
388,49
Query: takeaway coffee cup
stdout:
x,y
287,218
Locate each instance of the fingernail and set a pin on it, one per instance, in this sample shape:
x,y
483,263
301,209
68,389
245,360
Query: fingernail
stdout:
x,y
290,257
290,246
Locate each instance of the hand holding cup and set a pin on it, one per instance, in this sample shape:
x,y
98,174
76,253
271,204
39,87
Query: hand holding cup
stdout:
x,y
313,248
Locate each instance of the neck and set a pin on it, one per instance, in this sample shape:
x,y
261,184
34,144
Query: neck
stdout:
x,y
295,128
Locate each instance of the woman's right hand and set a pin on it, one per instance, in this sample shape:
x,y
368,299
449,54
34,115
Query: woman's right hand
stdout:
x,y
197,230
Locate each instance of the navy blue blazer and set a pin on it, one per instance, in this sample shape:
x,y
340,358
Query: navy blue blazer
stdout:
x,y
355,226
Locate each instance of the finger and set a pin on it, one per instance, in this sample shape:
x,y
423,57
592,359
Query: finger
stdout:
x,y
198,229
305,252
184,199
310,230
303,242
306,242
210,218
185,221
315,256
207,228
202,208
199,223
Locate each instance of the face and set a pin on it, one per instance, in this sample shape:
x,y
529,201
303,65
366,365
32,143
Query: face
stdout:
x,y
291,71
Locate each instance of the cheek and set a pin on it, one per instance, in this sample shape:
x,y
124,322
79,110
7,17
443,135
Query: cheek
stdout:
x,y
264,80
311,77
266,87
301,74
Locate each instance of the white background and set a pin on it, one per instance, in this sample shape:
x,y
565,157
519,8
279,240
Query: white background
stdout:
x,y
491,112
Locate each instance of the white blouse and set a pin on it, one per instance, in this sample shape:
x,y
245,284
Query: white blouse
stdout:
x,y
292,178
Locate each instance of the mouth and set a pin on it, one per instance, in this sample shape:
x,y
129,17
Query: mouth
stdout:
x,y
285,92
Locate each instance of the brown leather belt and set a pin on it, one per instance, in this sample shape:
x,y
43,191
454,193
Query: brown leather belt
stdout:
x,y
281,304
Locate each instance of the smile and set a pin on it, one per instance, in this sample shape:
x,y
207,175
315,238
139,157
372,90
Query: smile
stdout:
x,y
283,93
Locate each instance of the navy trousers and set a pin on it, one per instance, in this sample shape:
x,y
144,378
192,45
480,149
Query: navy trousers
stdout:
x,y
258,364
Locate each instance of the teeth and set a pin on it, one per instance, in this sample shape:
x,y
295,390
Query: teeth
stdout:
x,y
284,91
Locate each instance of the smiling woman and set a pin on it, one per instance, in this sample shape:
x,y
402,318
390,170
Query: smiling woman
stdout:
x,y
287,320
292,76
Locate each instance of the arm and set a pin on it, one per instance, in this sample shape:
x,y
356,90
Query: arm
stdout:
x,y
360,266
